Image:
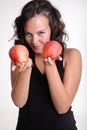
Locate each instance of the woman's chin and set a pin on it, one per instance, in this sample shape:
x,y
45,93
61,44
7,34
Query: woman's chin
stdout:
x,y
37,52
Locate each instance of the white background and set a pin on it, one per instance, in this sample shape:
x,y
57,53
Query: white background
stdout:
x,y
75,18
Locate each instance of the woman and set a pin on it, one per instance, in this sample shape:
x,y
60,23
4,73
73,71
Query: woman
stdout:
x,y
44,89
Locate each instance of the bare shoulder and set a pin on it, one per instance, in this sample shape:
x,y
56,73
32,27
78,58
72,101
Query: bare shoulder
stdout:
x,y
72,55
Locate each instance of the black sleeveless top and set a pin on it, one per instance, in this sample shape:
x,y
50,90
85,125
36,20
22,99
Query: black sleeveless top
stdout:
x,y
39,112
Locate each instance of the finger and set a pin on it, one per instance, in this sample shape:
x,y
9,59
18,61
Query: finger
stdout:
x,y
60,58
13,67
50,61
29,63
45,59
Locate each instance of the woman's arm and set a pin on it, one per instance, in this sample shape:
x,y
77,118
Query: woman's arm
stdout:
x,y
20,79
63,93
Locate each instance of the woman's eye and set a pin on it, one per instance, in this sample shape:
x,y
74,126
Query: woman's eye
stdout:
x,y
28,34
41,33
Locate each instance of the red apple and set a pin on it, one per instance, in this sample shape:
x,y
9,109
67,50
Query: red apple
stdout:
x,y
52,49
19,54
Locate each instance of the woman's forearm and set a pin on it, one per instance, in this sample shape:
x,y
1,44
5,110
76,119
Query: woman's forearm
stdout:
x,y
58,93
20,88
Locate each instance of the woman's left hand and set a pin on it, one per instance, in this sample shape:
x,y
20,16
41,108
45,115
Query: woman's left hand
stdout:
x,y
50,61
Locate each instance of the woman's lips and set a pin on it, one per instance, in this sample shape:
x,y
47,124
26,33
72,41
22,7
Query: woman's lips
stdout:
x,y
36,47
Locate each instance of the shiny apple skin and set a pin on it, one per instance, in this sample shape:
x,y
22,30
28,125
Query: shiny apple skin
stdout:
x,y
52,49
19,54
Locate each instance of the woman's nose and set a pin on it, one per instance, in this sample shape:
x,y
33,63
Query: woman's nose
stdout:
x,y
35,39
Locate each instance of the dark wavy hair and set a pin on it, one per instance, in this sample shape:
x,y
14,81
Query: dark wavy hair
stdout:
x,y
40,7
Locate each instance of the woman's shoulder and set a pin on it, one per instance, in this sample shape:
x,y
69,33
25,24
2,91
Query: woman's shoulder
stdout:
x,y
71,54
71,51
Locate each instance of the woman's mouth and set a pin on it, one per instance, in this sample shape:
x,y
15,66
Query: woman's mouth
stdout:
x,y
36,47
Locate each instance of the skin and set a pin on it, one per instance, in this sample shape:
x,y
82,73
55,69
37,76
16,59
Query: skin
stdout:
x,y
38,32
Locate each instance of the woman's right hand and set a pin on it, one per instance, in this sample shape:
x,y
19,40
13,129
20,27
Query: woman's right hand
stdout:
x,y
23,66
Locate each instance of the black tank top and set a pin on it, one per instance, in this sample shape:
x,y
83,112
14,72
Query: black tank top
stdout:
x,y
39,112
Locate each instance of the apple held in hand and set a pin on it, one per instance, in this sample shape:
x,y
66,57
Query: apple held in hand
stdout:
x,y
19,54
52,49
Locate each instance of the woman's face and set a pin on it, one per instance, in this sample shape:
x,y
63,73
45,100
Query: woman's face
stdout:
x,y
37,32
